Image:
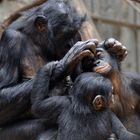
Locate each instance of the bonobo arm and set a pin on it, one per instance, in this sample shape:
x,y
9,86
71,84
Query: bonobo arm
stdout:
x,y
52,73
14,95
50,108
121,132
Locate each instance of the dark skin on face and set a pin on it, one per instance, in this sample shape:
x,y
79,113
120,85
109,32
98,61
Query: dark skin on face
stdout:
x,y
126,92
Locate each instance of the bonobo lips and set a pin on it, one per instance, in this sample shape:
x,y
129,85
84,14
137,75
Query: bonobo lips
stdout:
x,y
104,69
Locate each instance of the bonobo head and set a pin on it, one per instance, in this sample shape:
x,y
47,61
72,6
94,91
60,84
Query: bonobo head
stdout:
x,y
92,89
54,26
104,62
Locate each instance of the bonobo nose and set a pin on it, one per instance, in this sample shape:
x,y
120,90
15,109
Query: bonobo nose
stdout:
x,y
97,62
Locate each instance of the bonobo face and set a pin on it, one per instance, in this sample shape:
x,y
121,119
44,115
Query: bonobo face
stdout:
x,y
63,25
54,26
103,62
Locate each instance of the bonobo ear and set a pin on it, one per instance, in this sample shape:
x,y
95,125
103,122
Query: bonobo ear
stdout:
x,y
99,102
41,23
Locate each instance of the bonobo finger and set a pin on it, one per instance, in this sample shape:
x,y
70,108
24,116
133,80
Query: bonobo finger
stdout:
x,y
75,60
84,46
83,54
109,42
93,41
118,43
80,56
120,50
114,50
117,48
91,46
81,45
124,49
123,56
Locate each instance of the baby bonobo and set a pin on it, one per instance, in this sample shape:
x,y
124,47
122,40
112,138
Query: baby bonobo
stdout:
x,y
84,114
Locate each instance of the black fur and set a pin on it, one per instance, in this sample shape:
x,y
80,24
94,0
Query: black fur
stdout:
x,y
43,34
75,114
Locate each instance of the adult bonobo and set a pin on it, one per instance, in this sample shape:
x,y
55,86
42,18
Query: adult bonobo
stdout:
x,y
126,102
41,35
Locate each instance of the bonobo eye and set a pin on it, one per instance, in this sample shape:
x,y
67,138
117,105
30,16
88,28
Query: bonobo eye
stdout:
x,y
41,23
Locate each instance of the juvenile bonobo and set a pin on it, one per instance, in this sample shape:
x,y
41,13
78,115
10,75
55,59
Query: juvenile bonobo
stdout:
x,y
84,114
126,91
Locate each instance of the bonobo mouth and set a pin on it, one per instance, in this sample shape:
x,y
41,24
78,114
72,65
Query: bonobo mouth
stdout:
x,y
103,69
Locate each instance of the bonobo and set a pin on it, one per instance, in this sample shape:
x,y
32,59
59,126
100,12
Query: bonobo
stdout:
x,y
126,91
43,34
84,114
49,75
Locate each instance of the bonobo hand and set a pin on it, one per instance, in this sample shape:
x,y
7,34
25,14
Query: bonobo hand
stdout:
x,y
115,47
79,51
